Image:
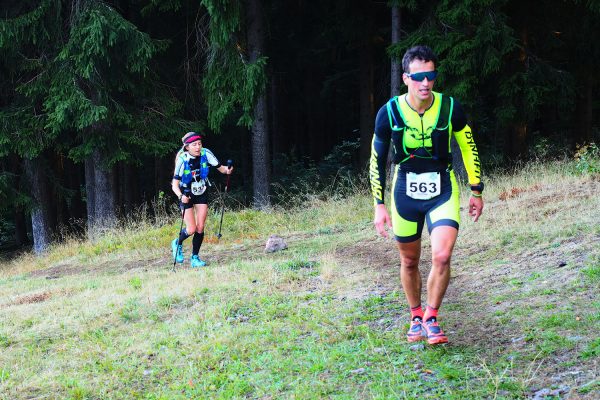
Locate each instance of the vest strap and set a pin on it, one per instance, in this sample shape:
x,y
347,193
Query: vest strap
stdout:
x,y
442,127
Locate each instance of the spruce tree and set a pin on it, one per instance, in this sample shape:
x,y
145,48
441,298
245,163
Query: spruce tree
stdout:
x,y
83,83
235,80
27,43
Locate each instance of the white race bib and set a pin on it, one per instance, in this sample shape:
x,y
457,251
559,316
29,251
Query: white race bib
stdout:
x,y
198,187
423,186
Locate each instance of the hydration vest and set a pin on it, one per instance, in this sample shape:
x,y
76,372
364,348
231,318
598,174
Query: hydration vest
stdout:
x,y
421,137
190,175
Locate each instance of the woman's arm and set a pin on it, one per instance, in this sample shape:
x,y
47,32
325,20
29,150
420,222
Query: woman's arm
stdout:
x,y
177,190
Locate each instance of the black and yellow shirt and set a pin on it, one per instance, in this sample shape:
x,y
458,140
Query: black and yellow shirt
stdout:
x,y
421,142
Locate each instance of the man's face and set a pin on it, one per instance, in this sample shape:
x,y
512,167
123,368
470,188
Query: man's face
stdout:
x,y
419,91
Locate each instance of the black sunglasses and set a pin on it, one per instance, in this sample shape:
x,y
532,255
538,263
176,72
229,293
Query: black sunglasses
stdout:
x,y
420,76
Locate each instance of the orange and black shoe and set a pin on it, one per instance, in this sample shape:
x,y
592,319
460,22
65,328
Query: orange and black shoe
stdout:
x,y
433,332
416,331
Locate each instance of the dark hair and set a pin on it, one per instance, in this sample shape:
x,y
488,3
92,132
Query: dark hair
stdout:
x,y
423,53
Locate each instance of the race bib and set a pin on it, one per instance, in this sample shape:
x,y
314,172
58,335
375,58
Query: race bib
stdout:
x,y
423,186
198,187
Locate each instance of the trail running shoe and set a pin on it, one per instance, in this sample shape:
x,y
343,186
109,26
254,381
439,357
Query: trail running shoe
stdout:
x,y
196,262
177,251
434,333
416,331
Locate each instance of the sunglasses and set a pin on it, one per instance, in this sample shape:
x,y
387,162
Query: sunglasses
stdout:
x,y
420,76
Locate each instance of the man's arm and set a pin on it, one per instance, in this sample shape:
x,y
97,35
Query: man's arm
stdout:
x,y
466,142
470,155
379,152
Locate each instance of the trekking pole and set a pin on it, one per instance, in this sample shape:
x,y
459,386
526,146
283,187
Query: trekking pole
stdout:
x,y
229,164
179,233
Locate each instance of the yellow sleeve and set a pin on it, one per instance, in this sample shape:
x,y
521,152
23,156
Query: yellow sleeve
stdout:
x,y
470,155
377,162
379,153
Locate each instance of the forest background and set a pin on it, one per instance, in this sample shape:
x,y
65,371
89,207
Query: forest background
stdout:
x,y
95,95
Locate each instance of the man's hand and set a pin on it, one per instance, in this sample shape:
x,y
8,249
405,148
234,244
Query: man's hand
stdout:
x,y
185,199
475,207
382,218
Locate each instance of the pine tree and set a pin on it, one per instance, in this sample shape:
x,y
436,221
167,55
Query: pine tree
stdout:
x,y
97,91
83,83
235,80
26,43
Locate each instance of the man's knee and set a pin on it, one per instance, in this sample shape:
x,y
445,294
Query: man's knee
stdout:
x,y
441,258
409,262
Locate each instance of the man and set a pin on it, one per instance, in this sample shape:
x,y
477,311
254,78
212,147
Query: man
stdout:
x,y
419,124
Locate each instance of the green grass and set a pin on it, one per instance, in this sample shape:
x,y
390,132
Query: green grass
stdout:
x,y
592,349
592,273
325,318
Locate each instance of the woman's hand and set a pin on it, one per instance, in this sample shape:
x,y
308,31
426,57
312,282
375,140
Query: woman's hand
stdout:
x,y
224,169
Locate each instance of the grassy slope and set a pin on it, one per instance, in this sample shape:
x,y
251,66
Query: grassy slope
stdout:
x,y
325,318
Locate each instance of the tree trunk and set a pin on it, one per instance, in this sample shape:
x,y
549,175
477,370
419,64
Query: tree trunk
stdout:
x,y
104,206
260,155
90,193
40,214
396,65
261,160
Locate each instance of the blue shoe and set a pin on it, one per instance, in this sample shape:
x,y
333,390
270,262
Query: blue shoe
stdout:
x,y
177,251
196,262
434,333
416,331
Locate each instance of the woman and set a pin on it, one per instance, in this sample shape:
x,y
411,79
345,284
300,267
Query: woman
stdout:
x,y
189,185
